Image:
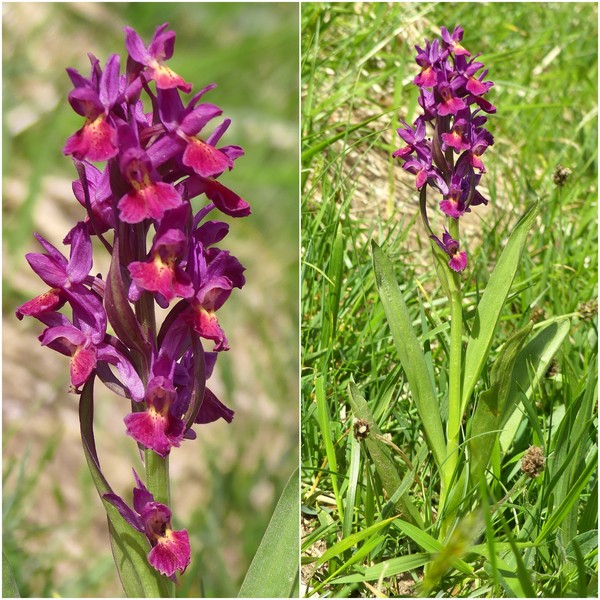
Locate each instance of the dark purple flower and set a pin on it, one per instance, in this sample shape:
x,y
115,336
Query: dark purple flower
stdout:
x,y
93,99
427,59
458,260
100,196
160,49
453,42
170,549
214,274
161,272
451,90
86,346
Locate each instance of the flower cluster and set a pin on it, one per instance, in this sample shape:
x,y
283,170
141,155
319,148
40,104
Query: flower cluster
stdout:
x,y
452,86
157,160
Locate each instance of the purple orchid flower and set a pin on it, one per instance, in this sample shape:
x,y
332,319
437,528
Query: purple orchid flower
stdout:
x,y
170,549
162,272
183,124
427,59
458,260
159,427
152,58
149,197
452,42
451,89
93,99
157,163
214,274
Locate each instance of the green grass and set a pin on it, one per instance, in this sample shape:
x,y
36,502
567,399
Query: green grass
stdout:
x,y
227,483
357,68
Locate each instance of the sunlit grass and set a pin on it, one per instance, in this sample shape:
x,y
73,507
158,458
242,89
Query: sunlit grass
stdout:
x,y
358,64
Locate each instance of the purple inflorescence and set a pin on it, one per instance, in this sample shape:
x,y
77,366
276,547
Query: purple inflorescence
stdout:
x,y
153,164
452,86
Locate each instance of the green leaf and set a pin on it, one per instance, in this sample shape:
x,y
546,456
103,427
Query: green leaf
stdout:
x,y
558,514
430,544
410,353
586,543
495,405
492,301
130,547
317,148
382,459
353,540
387,568
274,569
535,356
9,585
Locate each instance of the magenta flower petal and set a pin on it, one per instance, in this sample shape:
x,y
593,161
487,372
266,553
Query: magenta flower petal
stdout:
x,y
171,553
83,362
204,159
458,262
148,202
206,324
95,141
50,300
164,278
155,431
226,200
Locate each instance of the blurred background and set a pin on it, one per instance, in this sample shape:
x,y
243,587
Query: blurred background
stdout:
x,y
225,484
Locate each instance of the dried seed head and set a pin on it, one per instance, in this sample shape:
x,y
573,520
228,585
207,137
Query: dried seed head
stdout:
x,y
561,174
361,429
537,314
533,462
588,310
552,369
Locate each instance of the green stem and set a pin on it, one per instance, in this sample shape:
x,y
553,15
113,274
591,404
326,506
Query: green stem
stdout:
x,y
157,481
157,477
455,382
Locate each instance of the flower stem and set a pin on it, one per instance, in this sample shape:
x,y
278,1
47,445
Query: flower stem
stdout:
x,y
455,380
157,477
157,482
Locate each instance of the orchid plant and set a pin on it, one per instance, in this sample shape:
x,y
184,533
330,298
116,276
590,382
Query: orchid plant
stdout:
x,y
478,418
148,175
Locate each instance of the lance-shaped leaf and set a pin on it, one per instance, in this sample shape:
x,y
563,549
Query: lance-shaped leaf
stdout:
x,y
410,353
490,306
381,457
119,311
495,405
9,585
130,547
274,569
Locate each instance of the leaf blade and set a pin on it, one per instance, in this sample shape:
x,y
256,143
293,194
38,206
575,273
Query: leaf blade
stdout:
x,y
273,572
492,301
410,354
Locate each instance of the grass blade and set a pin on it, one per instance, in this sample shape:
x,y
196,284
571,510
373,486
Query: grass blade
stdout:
x,y
537,355
380,455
